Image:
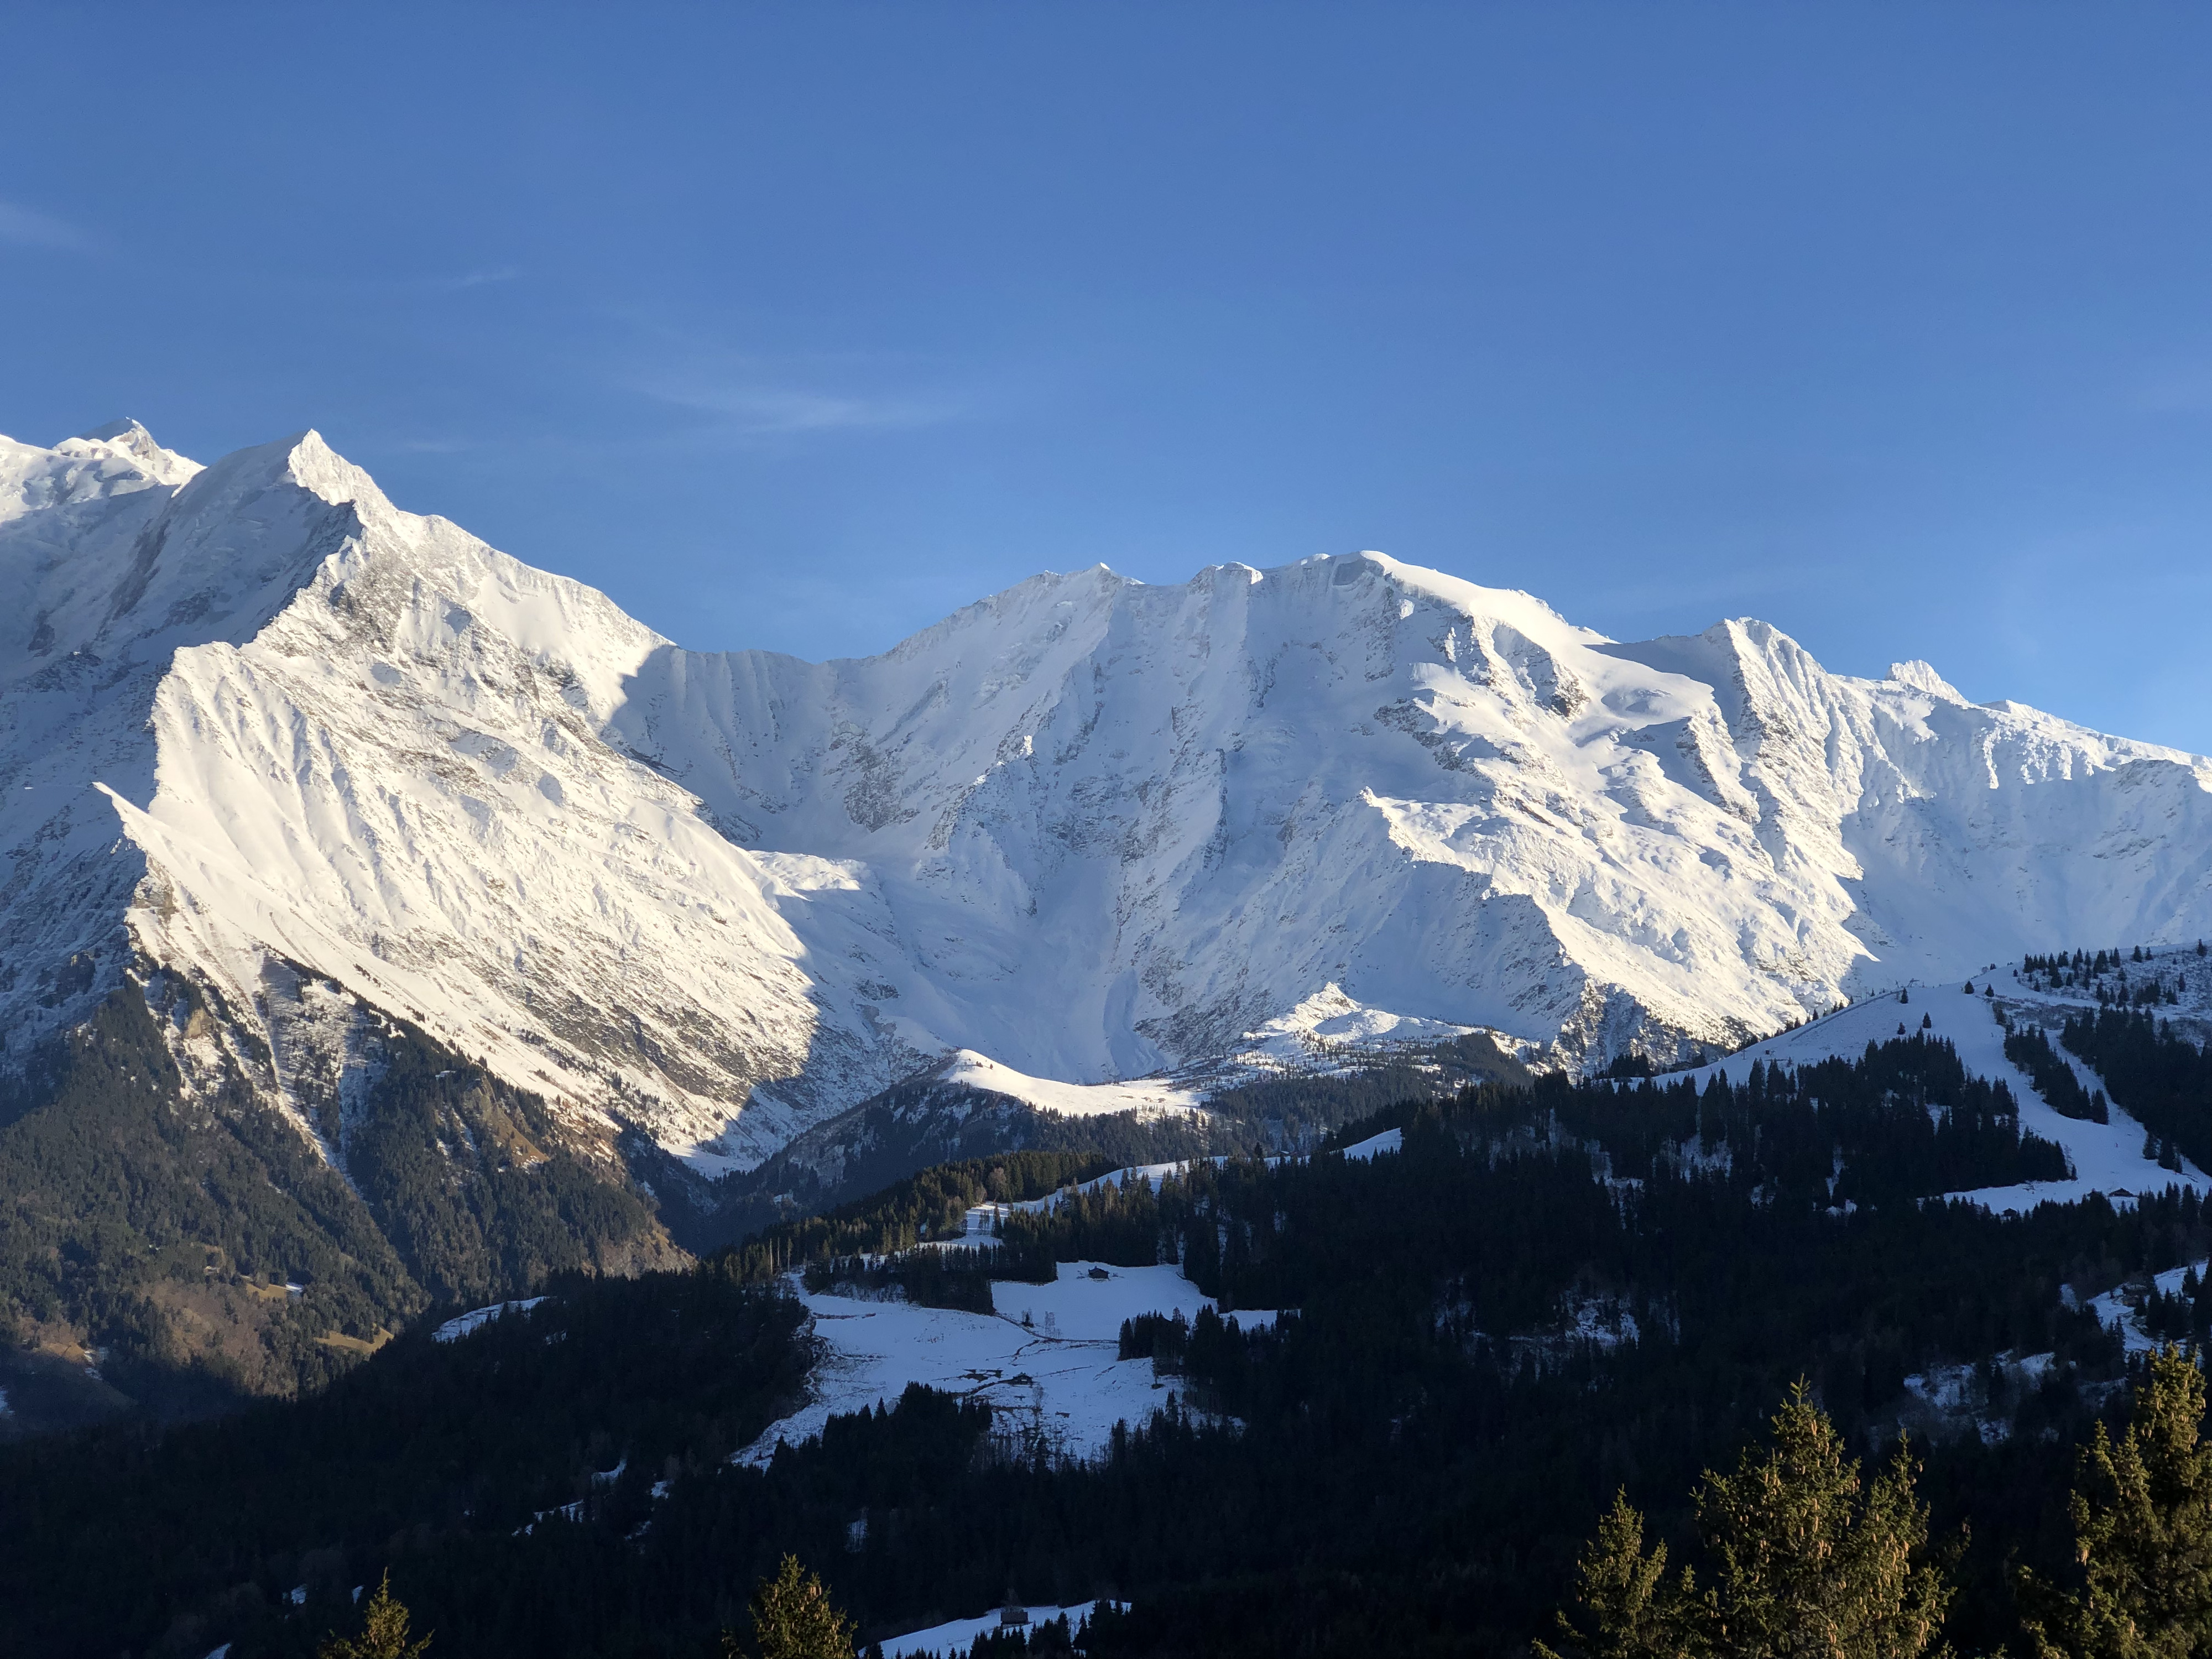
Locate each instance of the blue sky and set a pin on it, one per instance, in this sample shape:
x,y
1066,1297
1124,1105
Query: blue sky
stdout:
x,y
800,326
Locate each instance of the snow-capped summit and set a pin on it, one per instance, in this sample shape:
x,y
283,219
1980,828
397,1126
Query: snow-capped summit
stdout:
x,y
1922,676
130,442
324,757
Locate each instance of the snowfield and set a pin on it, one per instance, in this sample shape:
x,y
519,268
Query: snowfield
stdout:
x,y
1146,1099
462,1324
1094,841
1390,1140
952,1640
1045,1363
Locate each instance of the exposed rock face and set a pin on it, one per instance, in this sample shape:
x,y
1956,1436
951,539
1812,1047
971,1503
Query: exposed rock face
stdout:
x,y
263,730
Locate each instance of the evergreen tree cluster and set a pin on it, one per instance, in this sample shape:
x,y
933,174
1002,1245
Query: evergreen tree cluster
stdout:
x,y
928,1123
932,1205
1808,1558
539,1429
2029,1048
1129,1222
2183,1315
954,1277
2157,981
1805,1556
2161,1077
2142,1514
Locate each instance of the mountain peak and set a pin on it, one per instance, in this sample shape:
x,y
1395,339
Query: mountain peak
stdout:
x,y
125,428
314,465
1922,676
133,442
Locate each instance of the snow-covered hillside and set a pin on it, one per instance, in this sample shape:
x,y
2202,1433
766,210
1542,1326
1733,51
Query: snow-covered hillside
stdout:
x,y
262,728
1046,1363
2106,1157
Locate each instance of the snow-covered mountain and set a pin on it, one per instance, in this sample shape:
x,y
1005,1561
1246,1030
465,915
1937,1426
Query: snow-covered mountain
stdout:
x,y
262,729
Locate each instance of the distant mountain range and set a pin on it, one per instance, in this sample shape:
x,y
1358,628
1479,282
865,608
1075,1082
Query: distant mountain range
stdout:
x,y
265,731
1088,846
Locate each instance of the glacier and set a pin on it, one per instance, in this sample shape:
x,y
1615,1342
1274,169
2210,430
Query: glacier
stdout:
x,y
1087,842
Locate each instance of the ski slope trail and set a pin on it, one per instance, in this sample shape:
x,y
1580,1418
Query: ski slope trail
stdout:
x,y
2107,1157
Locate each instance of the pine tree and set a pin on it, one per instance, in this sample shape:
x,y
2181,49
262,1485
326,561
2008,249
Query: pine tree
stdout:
x,y
2142,1526
794,1618
1634,1613
1808,1564
383,1630
1808,1561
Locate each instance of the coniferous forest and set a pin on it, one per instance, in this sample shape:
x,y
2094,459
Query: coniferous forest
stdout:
x,y
210,1255
1549,1294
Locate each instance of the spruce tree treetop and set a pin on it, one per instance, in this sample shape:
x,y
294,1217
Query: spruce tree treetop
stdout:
x,y
383,1630
1634,1613
2142,1525
794,1618
1807,1562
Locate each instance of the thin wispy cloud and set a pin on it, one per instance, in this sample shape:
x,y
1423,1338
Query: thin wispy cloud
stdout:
x,y
739,395
761,410
472,279
22,226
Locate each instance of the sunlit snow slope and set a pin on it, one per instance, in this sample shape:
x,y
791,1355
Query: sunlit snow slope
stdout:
x,y
257,721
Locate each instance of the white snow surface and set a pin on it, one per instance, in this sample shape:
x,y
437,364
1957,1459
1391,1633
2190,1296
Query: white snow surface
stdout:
x,y
461,1324
334,761
1149,1097
1390,1140
2121,1310
952,1640
1331,1029
2107,1157
1055,1377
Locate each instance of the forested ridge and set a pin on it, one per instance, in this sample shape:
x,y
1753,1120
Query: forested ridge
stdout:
x,y
928,1123
1547,1294
189,1242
